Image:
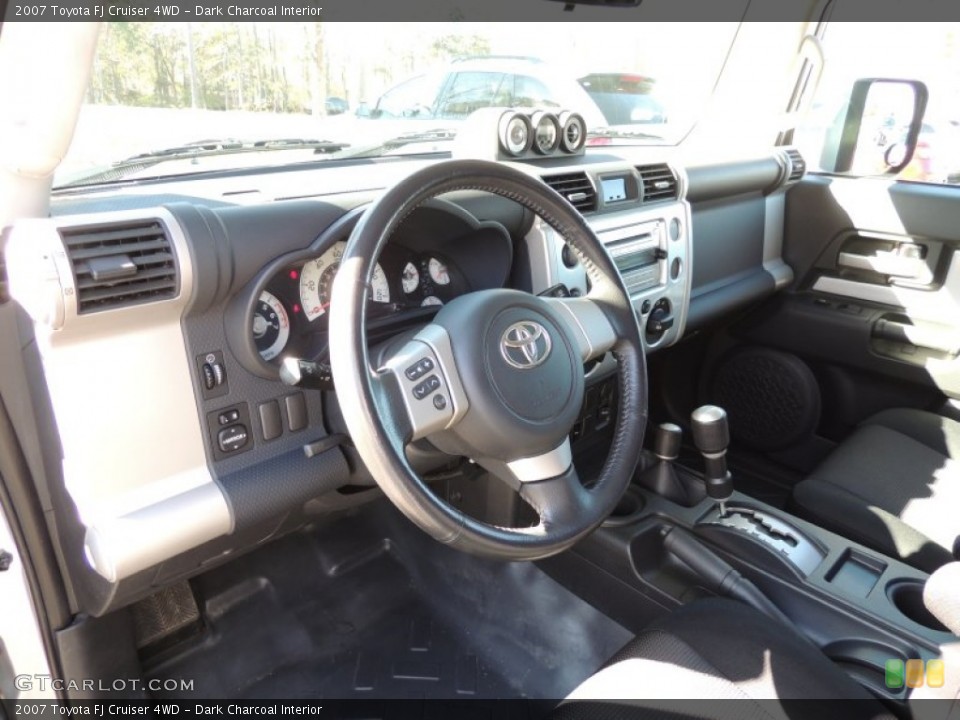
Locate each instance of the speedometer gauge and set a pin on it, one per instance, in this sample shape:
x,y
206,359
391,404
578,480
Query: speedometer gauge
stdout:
x,y
316,282
438,271
271,326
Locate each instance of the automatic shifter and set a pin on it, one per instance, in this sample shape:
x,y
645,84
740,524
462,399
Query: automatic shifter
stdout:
x,y
711,435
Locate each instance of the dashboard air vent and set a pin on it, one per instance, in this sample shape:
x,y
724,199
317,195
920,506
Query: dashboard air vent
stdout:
x,y
119,265
659,182
576,188
798,166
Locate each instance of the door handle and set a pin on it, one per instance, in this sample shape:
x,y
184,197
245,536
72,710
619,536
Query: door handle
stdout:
x,y
888,263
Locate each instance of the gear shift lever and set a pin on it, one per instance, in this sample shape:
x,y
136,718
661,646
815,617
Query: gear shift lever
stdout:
x,y
711,435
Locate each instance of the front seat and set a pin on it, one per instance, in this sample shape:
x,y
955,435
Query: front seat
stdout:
x,y
894,486
719,649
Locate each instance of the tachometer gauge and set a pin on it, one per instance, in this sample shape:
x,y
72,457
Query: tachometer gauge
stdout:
x,y
316,282
438,272
431,300
271,326
410,280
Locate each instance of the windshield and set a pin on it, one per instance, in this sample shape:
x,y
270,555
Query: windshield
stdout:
x,y
178,98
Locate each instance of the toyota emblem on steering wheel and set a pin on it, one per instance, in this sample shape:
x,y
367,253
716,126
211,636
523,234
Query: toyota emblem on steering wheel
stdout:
x,y
525,345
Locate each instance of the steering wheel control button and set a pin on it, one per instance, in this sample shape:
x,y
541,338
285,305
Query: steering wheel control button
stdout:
x,y
296,406
525,345
232,438
270,423
419,369
439,402
426,387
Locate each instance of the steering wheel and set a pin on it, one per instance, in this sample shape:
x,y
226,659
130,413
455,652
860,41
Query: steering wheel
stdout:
x,y
497,376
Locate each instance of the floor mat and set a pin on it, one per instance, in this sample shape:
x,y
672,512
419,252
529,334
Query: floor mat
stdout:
x,y
369,606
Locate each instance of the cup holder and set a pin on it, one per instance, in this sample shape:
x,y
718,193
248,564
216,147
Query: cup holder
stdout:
x,y
627,510
907,597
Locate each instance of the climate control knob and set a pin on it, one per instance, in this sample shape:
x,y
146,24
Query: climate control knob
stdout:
x,y
659,321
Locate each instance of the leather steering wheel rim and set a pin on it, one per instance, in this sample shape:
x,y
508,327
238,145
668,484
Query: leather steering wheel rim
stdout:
x,y
371,412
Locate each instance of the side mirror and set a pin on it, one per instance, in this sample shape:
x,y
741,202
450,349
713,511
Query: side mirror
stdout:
x,y
877,132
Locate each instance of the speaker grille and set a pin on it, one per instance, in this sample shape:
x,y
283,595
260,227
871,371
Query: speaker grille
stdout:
x,y
772,398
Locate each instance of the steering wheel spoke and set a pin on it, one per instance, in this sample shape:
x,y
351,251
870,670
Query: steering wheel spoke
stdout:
x,y
588,324
424,375
540,467
559,501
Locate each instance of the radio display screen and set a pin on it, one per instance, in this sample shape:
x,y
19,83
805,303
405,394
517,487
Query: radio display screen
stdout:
x,y
614,189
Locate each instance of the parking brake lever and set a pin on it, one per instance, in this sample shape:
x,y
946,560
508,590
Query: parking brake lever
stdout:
x,y
716,574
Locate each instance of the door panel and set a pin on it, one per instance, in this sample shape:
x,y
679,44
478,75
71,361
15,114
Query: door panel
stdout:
x,y
875,304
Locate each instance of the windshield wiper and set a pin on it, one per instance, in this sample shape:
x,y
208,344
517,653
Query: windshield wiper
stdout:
x,y
621,134
205,148
411,138
202,149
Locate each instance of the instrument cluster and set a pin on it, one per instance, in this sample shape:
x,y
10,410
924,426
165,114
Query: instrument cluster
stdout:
x,y
295,303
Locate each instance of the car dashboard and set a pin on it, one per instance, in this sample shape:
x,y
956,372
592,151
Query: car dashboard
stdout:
x,y
164,313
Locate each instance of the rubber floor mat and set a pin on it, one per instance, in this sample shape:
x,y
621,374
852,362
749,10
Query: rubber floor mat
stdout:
x,y
368,606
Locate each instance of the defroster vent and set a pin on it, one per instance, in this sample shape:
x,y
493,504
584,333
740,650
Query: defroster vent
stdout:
x,y
576,188
121,264
659,182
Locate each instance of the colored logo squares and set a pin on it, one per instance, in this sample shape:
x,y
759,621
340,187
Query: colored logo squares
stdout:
x,y
913,674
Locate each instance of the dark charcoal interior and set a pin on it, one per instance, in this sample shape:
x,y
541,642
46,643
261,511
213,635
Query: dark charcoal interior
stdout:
x,y
368,606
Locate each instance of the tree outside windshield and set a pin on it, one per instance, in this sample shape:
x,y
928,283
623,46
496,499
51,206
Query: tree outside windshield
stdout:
x,y
161,85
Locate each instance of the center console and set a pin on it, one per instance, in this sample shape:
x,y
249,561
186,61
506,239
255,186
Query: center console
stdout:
x,y
861,608
642,217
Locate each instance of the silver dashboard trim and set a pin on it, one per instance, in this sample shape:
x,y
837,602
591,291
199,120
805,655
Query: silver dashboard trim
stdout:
x,y
124,402
543,467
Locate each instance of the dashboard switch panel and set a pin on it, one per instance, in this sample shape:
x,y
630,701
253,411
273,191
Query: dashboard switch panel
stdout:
x,y
213,374
296,411
232,438
230,431
270,423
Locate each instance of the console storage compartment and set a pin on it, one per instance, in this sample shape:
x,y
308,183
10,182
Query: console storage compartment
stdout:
x,y
855,573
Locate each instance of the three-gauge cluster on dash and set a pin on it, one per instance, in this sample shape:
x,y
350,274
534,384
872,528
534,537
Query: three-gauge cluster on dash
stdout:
x,y
297,301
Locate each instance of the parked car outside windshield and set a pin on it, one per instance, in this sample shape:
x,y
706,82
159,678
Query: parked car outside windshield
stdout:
x,y
291,93
468,85
624,99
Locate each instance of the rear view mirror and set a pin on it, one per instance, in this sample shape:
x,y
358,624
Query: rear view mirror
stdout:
x,y
876,133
